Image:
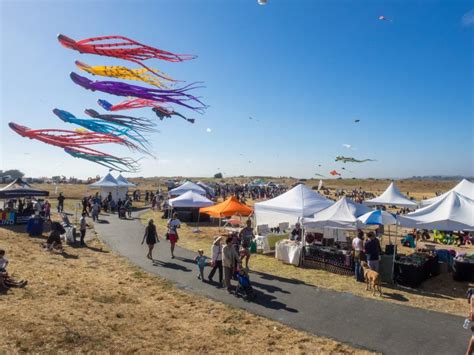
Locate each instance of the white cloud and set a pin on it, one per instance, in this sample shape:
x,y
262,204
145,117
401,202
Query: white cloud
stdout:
x,y
468,18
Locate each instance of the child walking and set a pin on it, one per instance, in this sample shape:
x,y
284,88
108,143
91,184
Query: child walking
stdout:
x,y
201,261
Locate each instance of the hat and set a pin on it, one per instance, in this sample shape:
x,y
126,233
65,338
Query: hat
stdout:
x,y
217,239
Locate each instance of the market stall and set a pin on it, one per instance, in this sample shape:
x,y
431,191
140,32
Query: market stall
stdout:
x,y
107,185
391,197
187,206
290,207
330,259
10,194
463,268
341,217
187,186
411,270
465,188
228,208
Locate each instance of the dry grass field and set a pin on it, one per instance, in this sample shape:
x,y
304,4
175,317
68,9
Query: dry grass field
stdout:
x,y
91,300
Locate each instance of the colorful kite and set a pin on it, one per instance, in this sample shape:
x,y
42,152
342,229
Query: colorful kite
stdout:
x,y
122,48
140,124
102,126
67,139
126,73
351,160
172,96
128,165
162,113
334,173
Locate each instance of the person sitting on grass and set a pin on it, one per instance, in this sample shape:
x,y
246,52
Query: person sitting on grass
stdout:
x,y
5,280
54,240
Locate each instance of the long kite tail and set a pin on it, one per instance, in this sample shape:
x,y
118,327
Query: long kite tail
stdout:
x,y
112,162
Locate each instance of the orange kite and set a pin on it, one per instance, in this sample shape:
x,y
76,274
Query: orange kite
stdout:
x,y
228,208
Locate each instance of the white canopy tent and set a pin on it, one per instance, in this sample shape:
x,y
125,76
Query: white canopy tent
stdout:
x,y
452,212
187,186
465,188
190,199
391,197
123,185
206,187
108,184
343,215
291,206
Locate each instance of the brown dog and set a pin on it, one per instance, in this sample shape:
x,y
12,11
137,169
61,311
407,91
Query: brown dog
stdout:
x,y
372,278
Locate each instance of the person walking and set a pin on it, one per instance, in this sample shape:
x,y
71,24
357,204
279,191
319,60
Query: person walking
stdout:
x,y
230,260
216,261
95,211
470,319
201,261
173,225
246,236
372,250
358,250
83,227
61,199
151,238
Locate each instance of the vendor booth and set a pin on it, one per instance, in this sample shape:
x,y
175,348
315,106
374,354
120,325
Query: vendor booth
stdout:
x,y
187,206
228,208
18,189
286,209
333,255
187,186
391,197
108,184
290,207
464,188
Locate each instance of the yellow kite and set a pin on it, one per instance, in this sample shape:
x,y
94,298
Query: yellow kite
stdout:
x,y
126,73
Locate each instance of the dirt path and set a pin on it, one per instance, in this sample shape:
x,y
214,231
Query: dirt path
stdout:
x,y
365,323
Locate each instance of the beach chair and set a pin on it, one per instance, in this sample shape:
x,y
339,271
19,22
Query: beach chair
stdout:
x,y
438,237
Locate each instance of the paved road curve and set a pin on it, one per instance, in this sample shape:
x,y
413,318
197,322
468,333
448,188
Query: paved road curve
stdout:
x,y
361,322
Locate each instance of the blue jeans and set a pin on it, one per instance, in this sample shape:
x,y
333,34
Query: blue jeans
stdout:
x,y
359,274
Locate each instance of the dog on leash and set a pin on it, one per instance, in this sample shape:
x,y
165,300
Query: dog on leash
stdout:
x,y
372,278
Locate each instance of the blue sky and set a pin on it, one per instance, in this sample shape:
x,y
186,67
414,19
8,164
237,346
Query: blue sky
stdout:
x,y
305,69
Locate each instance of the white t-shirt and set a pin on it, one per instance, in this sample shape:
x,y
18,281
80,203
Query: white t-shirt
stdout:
x,y
357,244
173,225
83,223
3,263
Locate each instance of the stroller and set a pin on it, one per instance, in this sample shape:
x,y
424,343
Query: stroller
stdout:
x,y
122,212
244,289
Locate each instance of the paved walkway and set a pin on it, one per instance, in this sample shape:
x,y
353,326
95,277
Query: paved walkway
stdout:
x,y
361,322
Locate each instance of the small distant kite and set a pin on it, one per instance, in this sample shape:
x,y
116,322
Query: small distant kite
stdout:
x,y
208,130
348,146
352,172
122,48
383,18
262,2
351,159
356,121
334,173
320,175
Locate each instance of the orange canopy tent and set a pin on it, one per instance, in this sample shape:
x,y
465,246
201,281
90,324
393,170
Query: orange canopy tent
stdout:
x,y
228,208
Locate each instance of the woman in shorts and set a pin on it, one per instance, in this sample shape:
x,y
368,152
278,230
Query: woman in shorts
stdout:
x,y
173,225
